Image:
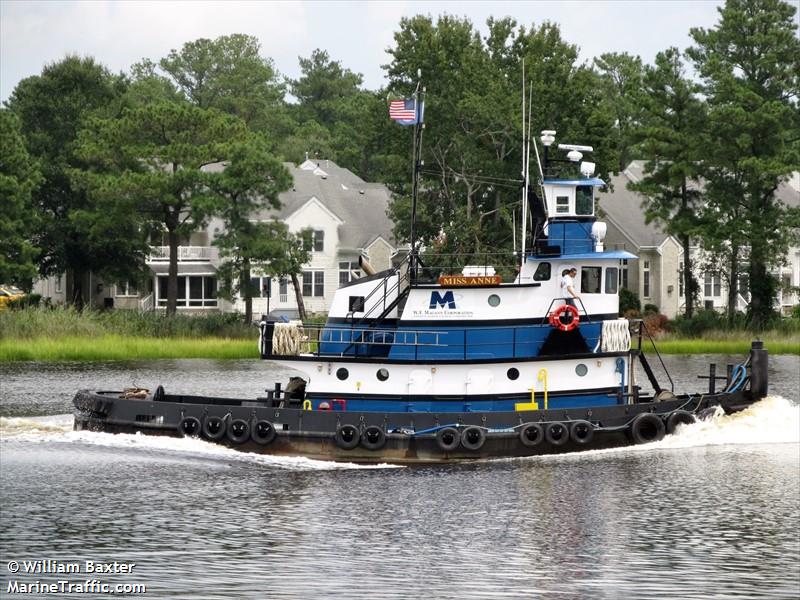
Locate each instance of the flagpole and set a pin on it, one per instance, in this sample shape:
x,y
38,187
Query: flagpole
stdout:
x,y
418,129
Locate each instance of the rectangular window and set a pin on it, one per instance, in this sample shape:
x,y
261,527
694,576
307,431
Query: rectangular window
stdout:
x,y
562,204
355,304
283,287
680,280
712,284
307,283
59,289
611,280
542,272
590,280
202,291
125,289
319,240
623,274
261,287
313,283
319,283
348,271
584,203
646,278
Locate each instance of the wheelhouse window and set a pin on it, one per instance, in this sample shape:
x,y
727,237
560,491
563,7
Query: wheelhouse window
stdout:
x,y
584,200
202,291
611,280
562,205
313,283
590,280
542,272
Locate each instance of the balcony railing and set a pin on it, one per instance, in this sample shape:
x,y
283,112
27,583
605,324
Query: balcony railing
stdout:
x,y
185,253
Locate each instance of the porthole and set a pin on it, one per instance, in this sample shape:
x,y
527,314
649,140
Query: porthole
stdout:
x,y
494,300
512,374
581,370
382,374
342,374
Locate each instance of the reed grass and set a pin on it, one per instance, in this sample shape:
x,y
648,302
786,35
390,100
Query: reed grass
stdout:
x,y
776,345
118,347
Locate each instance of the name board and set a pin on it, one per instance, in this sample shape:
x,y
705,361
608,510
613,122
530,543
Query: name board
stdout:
x,y
469,280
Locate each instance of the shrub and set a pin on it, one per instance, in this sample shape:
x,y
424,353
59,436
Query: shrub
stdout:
x,y
628,302
650,309
700,323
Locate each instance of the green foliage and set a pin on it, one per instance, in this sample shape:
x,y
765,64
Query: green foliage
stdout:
x,y
750,66
19,178
628,302
650,309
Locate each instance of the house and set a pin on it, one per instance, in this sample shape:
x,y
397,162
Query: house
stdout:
x,y
656,276
348,217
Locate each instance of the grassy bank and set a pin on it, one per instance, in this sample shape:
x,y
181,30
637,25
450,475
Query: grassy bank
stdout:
x,y
775,345
117,347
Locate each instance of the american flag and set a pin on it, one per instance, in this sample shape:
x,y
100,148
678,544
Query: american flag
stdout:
x,y
403,111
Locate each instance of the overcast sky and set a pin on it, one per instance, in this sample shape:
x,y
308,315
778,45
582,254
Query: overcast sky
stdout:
x,y
119,33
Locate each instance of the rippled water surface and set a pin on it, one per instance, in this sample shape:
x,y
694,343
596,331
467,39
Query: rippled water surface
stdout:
x,y
711,512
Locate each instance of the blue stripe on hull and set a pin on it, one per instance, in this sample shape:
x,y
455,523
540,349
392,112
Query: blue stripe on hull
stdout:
x,y
451,406
450,342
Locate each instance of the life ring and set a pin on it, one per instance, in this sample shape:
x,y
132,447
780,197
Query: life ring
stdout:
x,y
263,432
189,427
347,437
646,428
238,431
581,432
448,439
531,435
373,438
679,417
472,438
213,427
572,319
556,434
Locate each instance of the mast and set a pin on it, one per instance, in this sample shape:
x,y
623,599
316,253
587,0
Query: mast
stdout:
x,y
525,179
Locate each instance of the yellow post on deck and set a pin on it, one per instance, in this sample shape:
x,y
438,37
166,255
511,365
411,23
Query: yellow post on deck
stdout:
x,y
542,376
532,405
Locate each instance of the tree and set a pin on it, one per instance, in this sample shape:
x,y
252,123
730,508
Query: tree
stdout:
x,y
19,178
155,156
295,251
52,108
672,119
322,87
250,182
750,67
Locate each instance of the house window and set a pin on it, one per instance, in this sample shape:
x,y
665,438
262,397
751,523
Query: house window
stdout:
x,y
319,240
348,271
712,284
611,280
194,291
59,289
542,272
261,287
313,283
126,289
583,200
562,204
680,280
283,290
646,278
590,280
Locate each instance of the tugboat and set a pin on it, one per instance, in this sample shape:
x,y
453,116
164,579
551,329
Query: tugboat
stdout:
x,y
435,360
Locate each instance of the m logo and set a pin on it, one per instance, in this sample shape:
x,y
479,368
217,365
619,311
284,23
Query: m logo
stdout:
x,y
438,300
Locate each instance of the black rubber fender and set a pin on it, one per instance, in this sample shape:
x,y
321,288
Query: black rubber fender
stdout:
x,y
373,438
679,417
448,439
190,427
238,431
531,435
473,438
646,428
214,428
581,432
556,433
347,437
263,432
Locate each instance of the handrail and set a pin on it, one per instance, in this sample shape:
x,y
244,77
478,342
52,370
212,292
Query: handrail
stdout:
x,y
643,327
583,307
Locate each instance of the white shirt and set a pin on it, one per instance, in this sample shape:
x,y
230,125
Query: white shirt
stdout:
x,y
566,283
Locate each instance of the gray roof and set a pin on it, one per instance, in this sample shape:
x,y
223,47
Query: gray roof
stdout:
x,y
361,206
623,208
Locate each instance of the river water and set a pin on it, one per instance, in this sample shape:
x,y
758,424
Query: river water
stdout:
x,y
711,512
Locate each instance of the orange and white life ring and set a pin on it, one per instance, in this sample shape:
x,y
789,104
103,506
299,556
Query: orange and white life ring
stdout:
x,y
568,322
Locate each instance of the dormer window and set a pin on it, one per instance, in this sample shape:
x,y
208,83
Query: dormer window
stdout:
x,y
562,205
319,240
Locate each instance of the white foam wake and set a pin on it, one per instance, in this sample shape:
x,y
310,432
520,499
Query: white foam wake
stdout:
x,y
58,429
